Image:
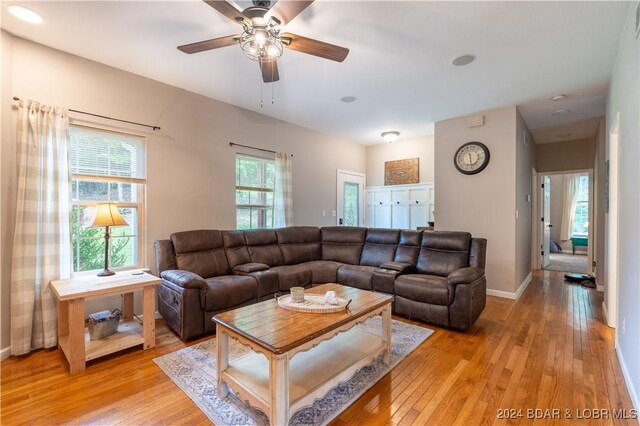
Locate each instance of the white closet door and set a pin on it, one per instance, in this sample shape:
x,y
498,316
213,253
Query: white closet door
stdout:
x,y
400,208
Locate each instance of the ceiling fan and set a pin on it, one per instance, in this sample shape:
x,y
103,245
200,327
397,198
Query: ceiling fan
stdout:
x,y
261,39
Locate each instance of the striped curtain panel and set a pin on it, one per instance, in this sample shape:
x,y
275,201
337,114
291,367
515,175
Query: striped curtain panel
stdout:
x,y
42,239
283,191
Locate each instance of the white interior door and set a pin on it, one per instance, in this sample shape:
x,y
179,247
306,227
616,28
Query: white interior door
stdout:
x,y
350,203
546,221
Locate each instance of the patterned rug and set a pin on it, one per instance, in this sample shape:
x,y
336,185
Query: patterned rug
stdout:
x,y
193,369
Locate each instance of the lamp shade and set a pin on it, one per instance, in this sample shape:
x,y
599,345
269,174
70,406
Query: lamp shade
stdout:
x,y
107,214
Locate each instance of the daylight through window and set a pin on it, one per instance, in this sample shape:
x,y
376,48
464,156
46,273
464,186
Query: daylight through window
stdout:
x,y
254,192
581,213
107,166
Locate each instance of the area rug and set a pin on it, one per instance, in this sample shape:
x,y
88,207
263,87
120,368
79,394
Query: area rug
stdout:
x,y
193,370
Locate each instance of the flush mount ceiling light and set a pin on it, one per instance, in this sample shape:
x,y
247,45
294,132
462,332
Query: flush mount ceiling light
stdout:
x,y
348,99
557,98
390,136
561,112
463,60
25,14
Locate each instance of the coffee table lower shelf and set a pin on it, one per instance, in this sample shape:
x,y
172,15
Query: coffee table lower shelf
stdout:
x,y
311,374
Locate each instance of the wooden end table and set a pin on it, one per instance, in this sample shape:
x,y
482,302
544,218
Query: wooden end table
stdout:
x,y
72,337
305,354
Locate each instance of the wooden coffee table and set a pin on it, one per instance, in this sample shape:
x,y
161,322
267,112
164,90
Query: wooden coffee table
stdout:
x,y
297,357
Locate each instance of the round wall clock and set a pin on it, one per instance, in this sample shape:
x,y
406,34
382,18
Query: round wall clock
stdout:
x,y
471,158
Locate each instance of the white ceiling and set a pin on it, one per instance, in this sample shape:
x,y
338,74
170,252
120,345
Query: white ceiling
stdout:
x,y
398,67
584,129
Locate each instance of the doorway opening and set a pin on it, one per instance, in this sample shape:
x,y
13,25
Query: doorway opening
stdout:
x,y
566,221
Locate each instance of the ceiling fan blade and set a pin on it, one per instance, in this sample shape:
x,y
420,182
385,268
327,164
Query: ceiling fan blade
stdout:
x,y
228,10
214,43
286,10
314,47
269,71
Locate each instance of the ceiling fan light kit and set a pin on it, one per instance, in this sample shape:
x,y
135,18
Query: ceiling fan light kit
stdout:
x,y
261,39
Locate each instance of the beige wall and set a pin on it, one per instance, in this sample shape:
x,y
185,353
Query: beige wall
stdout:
x,y
190,168
377,155
483,204
565,156
524,163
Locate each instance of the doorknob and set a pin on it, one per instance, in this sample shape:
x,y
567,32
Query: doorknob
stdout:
x,y
341,222
550,226
397,202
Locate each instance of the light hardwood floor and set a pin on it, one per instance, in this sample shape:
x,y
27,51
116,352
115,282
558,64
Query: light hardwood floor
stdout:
x,y
548,350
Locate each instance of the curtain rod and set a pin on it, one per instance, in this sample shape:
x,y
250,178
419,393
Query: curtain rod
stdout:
x,y
15,98
253,147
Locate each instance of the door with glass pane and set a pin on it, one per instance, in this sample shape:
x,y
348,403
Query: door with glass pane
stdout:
x,y
350,192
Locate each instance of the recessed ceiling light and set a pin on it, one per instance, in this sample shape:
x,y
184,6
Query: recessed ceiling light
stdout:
x,y
558,98
25,14
561,112
563,135
348,99
390,136
463,60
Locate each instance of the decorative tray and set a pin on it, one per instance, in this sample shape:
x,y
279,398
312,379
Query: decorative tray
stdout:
x,y
313,304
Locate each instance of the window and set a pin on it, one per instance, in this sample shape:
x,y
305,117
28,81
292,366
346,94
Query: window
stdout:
x,y
581,213
254,192
107,166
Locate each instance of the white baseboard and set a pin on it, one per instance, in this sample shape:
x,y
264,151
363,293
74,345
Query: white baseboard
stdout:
x,y
509,294
606,314
600,288
523,285
627,380
504,294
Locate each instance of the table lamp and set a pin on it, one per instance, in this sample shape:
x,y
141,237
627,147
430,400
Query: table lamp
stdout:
x,y
107,215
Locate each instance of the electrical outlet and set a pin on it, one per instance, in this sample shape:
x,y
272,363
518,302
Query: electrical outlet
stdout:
x,y
624,326
324,213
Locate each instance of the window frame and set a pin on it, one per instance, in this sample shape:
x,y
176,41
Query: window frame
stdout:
x,y
141,195
581,203
264,208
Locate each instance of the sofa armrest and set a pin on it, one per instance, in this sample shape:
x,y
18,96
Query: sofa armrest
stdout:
x,y
248,268
184,279
401,267
465,275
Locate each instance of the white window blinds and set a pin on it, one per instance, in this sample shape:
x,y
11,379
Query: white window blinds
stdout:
x,y
102,153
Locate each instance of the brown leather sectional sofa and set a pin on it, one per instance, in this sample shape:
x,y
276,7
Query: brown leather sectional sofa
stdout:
x,y
436,277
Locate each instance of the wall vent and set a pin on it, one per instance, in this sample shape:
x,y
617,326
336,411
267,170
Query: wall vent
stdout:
x,y
476,121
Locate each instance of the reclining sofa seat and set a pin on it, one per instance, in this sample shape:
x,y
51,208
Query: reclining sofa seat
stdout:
x,y
379,247
433,294
198,282
206,272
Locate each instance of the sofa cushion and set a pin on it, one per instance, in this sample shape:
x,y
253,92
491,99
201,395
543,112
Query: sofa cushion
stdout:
x,y
299,244
342,243
235,248
442,252
323,271
200,252
380,246
292,276
225,292
409,247
262,245
356,276
424,288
